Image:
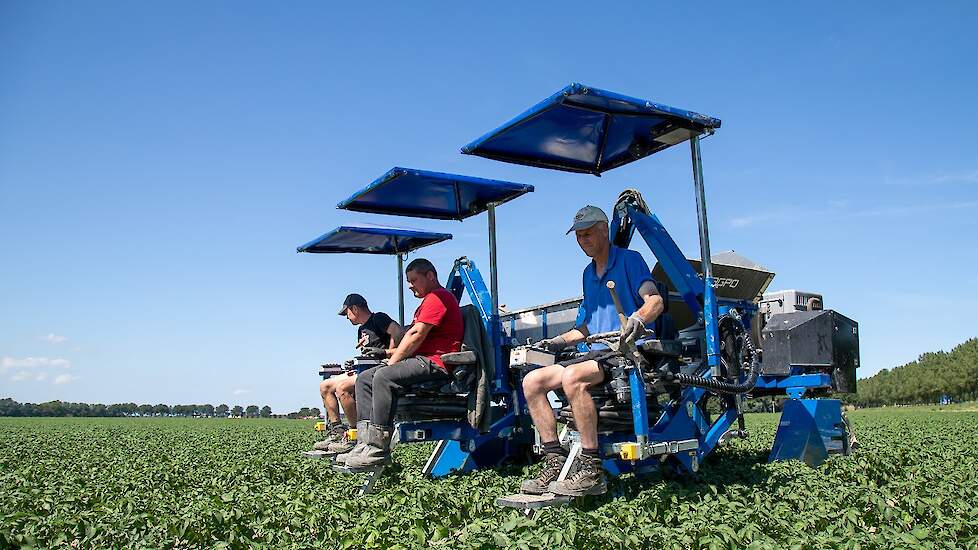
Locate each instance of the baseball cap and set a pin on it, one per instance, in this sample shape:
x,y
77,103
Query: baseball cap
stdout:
x,y
586,217
353,300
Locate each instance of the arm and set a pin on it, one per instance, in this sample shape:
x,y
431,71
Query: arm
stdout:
x,y
652,304
410,342
395,331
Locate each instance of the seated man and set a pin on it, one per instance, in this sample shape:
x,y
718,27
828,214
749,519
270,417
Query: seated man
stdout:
x,y
641,303
376,331
435,330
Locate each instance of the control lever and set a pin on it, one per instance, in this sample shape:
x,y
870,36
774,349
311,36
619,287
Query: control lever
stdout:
x,y
614,296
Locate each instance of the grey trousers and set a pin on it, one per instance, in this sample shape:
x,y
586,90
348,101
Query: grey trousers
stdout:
x,y
377,388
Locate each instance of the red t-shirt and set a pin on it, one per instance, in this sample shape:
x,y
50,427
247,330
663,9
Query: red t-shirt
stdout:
x,y
440,309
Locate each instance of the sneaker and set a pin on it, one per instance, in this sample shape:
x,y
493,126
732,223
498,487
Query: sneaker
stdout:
x,y
344,445
589,479
552,464
361,444
332,436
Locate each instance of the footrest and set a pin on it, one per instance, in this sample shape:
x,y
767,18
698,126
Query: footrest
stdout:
x,y
347,470
530,502
316,454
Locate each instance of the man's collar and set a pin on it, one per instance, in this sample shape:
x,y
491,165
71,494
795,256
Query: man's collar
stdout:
x,y
612,258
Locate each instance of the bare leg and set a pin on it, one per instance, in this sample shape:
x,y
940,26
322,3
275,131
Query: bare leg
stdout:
x,y
327,390
576,380
345,390
536,384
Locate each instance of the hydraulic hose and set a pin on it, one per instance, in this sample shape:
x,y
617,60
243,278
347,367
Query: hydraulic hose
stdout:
x,y
721,386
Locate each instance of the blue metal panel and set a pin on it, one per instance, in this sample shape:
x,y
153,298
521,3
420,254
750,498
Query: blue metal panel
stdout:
x,y
471,279
809,429
583,129
424,194
798,380
640,408
711,328
372,239
677,267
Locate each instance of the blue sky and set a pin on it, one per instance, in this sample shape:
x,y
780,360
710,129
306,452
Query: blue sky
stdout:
x,y
160,162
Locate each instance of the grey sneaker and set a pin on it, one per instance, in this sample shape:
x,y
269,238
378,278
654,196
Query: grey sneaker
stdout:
x,y
552,464
332,436
589,479
363,427
344,445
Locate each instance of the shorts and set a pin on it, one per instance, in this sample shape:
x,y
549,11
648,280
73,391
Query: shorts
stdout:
x,y
607,359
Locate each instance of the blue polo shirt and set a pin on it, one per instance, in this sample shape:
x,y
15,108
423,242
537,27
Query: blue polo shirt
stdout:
x,y
628,270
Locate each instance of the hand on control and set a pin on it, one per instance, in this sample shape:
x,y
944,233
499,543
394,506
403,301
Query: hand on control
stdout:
x,y
553,344
634,329
375,353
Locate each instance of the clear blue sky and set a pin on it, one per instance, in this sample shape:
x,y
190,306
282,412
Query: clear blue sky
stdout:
x,y
160,162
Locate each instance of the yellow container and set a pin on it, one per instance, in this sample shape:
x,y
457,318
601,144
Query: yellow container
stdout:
x,y
320,426
351,434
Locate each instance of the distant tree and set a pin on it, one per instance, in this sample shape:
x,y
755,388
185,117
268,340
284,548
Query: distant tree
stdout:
x,y
208,409
145,410
252,411
222,410
237,411
266,411
315,412
161,409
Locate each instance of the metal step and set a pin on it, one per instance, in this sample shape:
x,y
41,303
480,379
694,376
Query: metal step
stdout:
x,y
532,502
316,454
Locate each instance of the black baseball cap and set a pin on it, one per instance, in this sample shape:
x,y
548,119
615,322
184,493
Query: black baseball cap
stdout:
x,y
353,300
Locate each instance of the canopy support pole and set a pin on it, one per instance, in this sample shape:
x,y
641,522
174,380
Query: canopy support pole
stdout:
x,y
493,274
709,293
400,289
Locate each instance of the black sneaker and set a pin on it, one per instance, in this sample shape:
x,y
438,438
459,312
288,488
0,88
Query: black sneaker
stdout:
x,y
552,463
589,479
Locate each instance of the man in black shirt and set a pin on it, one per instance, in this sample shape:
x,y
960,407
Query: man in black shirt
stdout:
x,y
377,331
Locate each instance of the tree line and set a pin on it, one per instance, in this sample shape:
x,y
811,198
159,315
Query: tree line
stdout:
x,y
9,407
934,377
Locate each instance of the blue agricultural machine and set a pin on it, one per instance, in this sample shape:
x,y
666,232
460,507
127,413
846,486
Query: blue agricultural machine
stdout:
x,y
677,395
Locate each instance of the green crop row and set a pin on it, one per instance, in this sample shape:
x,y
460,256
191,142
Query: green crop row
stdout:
x,y
213,483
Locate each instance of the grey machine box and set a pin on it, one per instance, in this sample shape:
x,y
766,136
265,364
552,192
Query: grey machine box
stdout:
x,y
818,341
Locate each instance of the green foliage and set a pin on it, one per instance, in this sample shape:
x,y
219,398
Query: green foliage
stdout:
x,y
150,483
925,380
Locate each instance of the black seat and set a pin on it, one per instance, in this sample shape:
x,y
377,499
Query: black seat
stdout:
x,y
439,399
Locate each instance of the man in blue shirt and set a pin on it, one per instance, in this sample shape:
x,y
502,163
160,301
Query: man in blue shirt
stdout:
x,y
641,303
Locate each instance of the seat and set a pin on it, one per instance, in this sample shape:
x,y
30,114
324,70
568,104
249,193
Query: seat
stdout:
x,y
453,399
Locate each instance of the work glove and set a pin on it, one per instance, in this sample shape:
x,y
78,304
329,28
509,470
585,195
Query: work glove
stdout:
x,y
633,329
553,344
374,353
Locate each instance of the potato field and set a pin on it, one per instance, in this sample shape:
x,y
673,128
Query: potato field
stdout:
x,y
218,483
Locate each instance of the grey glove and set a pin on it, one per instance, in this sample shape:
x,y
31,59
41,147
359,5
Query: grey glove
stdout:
x,y
552,344
634,329
374,353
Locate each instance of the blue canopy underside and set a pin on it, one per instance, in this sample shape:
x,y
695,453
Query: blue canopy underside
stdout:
x,y
424,194
372,240
582,129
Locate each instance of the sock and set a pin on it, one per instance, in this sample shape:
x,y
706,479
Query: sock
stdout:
x,y
553,447
590,453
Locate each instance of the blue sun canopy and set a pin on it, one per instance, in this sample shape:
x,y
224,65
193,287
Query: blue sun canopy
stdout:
x,y
370,239
582,129
423,194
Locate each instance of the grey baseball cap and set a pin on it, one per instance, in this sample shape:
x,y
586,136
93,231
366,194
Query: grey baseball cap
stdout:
x,y
586,217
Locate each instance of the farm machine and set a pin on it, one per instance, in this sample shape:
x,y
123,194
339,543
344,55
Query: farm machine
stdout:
x,y
676,395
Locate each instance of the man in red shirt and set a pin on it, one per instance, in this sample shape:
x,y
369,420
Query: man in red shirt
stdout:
x,y
436,329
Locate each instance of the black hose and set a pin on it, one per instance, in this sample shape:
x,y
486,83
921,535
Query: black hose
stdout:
x,y
721,386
